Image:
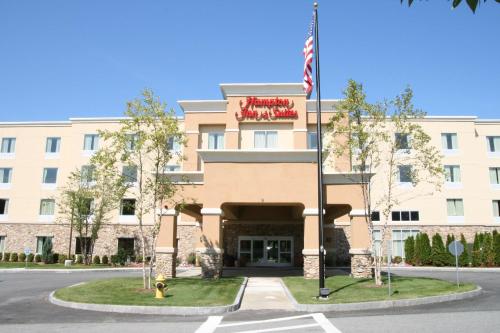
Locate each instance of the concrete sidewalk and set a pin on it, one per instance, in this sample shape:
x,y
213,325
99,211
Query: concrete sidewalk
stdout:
x,y
265,293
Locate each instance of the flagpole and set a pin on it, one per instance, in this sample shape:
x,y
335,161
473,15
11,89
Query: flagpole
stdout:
x,y
323,293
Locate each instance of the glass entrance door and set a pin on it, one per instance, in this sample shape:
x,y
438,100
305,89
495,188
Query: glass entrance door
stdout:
x,y
266,251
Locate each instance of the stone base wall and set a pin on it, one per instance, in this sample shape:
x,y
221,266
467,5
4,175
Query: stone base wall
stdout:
x,y
186,241
311,266
165,264
211,264
337,239
361,266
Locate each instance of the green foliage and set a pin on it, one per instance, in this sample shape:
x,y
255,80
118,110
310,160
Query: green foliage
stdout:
x,y
450,257
31,257
55,257
410,250
79,259
105,260
38,258
496,247
439,255
397,260
13,257
47,255
463,259
62,258
473,4
426,251
120,258
417,254
476,250
6,256
488,251
191,259
22,257
96,260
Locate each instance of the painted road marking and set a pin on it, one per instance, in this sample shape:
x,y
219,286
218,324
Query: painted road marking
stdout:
x,y
210,325
214,322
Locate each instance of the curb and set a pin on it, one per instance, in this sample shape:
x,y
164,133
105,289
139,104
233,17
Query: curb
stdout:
x,y
444,269
67,270
375,305
158,310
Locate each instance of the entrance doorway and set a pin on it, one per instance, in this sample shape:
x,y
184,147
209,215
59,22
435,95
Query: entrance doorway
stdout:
x,y
265,251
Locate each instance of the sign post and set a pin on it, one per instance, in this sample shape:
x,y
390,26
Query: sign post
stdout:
x,y
456,248
27,252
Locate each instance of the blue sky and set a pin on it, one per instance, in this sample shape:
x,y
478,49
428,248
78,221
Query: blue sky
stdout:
x,y
61,59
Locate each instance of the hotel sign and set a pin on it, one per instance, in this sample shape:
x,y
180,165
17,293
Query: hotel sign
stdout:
x,y
266,109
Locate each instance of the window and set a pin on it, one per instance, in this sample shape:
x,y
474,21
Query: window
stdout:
x,y
375,216
376,241
131,141
215,140
2,244
53,145
86,207
455,207
449,141
4,206
496,208
405,174
82,242
129,173
495,176
174,146
312,140
47,206
405,215
398,241
265,139
170,168
402,141
87,173
40,240
49,175
5,175
493,144
452,173
127,244
127,207
91,142
8,145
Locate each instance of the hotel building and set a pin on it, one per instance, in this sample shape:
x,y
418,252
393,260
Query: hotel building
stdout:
x,y
250,176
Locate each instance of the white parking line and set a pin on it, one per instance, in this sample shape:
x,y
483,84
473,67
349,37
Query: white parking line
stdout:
x,y
325,323
284,328
265,321
210,325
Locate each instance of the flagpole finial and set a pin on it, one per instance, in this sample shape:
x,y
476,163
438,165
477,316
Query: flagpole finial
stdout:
x,y
315,5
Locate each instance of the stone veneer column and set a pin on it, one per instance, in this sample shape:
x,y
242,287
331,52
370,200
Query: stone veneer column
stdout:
x,y
311,243
361,259
211,252
166,244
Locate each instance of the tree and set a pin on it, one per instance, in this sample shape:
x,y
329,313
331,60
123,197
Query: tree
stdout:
x,y
473,4
450,257
463,259
496,247
426,251
488,257
439,255
385,138
476,251
47,255
417,255
410,250
89,197
145,141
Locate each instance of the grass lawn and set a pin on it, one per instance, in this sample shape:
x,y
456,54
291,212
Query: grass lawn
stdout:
x,y
344,289
128,291
47,266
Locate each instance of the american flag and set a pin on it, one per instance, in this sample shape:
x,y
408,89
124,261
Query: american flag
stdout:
x,y
308,58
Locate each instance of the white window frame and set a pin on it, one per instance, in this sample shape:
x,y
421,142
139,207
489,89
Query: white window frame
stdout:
x,y
266,139
12,148
49,186
447,138
408,141
5,215
265,239
6,185
496,210
124,176
52,154
493,151
496,171
39,250
312,140
404,183
94,146
214,137
455,218
450,182
401,240
46,217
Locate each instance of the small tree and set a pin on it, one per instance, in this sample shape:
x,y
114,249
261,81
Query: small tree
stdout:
x,y
463,259
476,251
426,251
410,250
488,258
47,256
417,255
496,247
450,258
439,255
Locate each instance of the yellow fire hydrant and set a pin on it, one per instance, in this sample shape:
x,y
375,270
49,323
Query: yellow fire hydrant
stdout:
x,y
161,286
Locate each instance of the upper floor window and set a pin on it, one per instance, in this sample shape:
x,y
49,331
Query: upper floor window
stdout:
x,y
47,206
4,206
312,140
452,173
402,141
265,139
129,173
91,142
495,176
405,174
49,176
127,207
375,216
5,175
496,208
455,207
174,146
493,144
131,141
215,140
405,216
86,207
449,141
53,145
170,168
87,173
8,145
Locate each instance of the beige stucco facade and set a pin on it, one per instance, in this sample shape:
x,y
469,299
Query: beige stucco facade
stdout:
x,y
249,186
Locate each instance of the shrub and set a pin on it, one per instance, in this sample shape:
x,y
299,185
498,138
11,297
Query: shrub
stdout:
x,y
177,261
13,257
79,259
55,257
62,258
31,257
6,256
439,255
496,247
397,260
417,254
114,259
97,260
410,250
191,259
450,257
425,248
38,257
476,251
22,257
122,256
105,260
463,259
488,257
47,255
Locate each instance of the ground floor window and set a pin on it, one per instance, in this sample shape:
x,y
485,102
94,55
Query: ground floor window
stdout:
x,y
376,241
40,240
266,251
127,244
2,244
398,241
4,205
82,241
